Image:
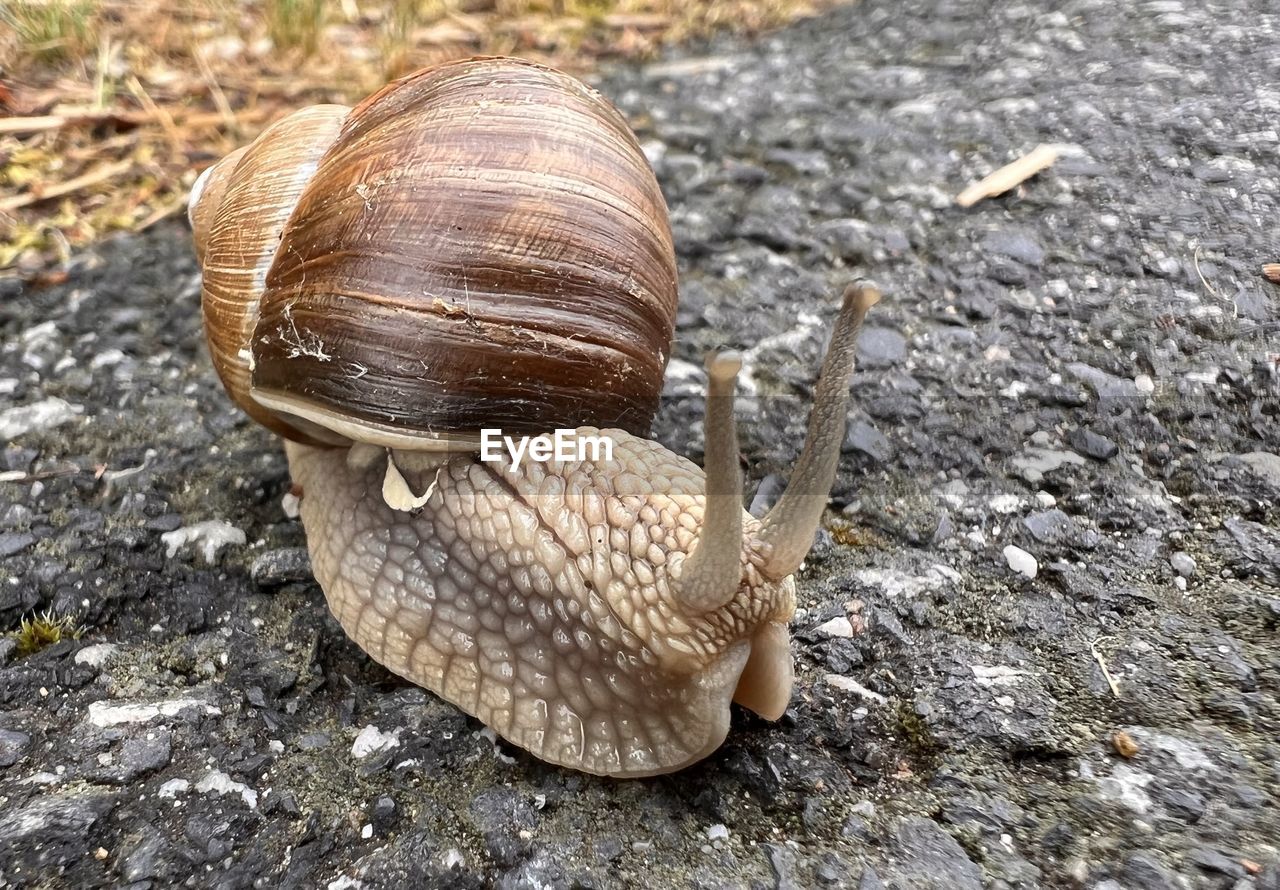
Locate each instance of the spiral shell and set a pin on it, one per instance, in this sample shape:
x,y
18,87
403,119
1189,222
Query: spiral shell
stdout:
x,y
481,244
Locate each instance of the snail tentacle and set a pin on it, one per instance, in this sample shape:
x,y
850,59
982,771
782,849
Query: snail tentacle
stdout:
x,y
788,528
712,573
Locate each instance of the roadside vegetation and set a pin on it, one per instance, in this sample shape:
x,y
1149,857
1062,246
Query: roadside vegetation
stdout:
x,y
110,108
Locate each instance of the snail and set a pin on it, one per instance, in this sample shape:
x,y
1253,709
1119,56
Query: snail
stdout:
x,y
483,245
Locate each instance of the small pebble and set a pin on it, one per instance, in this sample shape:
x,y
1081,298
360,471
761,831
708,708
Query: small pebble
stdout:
x,y
1021,561
13,744
836,627
1092,445
96,655
174,787
717,832
1124,744
371,740
275,568
1183,563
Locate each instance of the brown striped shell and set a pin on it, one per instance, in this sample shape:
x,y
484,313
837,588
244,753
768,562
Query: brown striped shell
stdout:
x,y
480,244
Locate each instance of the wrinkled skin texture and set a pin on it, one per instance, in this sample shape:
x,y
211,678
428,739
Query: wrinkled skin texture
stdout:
x,y
538,599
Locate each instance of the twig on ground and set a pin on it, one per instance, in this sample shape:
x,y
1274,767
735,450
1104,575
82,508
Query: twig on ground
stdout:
x,y
1097,656
1009,175
24,478
155,111
92,117
219,97
1195,258
89,117
93,177
163,212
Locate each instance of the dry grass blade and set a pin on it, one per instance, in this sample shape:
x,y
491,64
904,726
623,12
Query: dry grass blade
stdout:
x,y
162,212
93,177
119,117
219,97
41,123
1009,176
155,111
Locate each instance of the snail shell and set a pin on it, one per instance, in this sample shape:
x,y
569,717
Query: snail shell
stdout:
x,y
481,244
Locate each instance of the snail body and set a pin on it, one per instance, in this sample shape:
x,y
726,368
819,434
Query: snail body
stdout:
x,y
483,245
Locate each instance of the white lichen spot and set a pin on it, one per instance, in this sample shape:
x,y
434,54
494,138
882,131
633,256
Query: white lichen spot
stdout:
x,y
997,676
895,583
345,883
211,536
1005,503
218,782
104,714
1126,786
36,417
96,656
1014,390
848,684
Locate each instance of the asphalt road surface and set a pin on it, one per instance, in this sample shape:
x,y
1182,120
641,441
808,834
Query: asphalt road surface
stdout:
x,y
1085,369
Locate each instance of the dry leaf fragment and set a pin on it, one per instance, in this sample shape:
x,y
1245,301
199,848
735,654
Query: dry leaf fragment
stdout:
x,y
1009,175
1272,271
1124,744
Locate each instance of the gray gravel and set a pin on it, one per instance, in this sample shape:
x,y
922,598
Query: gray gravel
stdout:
x,y
1085,369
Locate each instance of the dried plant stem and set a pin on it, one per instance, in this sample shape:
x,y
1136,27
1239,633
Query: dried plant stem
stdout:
x,y
1009,175
93,177
1102,663
155,111
219,97
89,118
162,212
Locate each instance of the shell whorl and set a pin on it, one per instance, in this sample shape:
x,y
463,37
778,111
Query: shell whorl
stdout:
x,y
244,206
481,244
